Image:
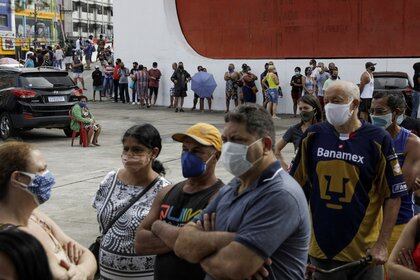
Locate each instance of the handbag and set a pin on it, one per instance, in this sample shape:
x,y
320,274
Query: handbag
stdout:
x,y
254,89
95,246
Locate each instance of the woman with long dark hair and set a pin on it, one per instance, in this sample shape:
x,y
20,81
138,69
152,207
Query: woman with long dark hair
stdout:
x,y
124,199
310,113
22,257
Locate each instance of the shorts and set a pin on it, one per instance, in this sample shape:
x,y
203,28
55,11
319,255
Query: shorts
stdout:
x,y
172,92
232,95
77,75
97,88
296,95
365,104
153,91
273,95
180,93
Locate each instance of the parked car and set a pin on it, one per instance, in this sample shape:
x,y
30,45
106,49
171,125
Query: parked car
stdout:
x,y
35,98
395,81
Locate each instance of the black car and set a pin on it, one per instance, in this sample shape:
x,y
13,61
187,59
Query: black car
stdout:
x,y
395,81
35,98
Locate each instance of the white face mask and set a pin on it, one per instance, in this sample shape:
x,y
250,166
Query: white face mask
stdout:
x,y
400,119
383,121
234,158
338,114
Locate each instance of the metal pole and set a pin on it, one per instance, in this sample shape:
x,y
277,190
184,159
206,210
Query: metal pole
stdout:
x,y
36,22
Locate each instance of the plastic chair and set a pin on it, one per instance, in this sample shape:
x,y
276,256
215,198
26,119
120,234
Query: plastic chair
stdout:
x,y
82,133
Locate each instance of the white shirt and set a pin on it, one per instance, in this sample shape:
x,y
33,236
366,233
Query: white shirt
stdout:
x,y
368,88
59,54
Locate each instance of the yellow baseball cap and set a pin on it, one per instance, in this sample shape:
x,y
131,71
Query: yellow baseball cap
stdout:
x,y
204,133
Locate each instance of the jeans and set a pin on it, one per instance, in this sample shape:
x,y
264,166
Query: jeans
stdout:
x,y
58,64
107,87
116,85
124,95
416,101
366,272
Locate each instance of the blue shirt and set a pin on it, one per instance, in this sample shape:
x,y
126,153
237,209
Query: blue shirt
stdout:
x,y
270,218
407,204
347,182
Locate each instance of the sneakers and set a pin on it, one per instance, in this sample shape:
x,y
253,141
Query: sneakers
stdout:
x,y
133,103
176,110
181,110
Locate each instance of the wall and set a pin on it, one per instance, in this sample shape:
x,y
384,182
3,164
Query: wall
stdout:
x,y
161,39
301,28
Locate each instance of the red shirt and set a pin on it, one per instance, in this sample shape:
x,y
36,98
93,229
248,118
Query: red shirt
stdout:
x,y
154,76
115,74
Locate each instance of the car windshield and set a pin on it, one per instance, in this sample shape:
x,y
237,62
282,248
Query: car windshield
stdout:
x,y
46,80
391,83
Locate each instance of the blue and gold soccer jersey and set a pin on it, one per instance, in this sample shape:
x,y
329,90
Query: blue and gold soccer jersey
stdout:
x,y
346,182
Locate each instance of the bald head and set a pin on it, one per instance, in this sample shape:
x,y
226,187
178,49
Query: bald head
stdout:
x,y
344,89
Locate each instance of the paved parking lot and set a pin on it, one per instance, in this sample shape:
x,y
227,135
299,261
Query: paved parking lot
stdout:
x,y
80,170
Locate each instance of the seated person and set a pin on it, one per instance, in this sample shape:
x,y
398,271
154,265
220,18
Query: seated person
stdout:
x,y
80,114
25,183
404,262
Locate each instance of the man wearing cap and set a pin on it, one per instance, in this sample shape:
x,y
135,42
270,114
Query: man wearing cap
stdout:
x,y
177,205
257,224
366,90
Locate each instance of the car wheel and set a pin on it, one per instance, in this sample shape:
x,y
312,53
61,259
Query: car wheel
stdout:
x,y
6,127
68,131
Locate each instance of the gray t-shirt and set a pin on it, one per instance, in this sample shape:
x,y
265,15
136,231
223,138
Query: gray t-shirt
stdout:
x,y
320,80
270,218
123,77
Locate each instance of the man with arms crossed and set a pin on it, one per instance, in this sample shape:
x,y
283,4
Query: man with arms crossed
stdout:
x,y
176,205
259,223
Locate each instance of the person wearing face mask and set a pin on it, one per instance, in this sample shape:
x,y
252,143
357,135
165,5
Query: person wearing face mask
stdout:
x,y
177,205
124,199
258,225
308,82
25,183
231,78
333,77
180,78
367,85
297,86
354,184
310,113
81,115
385,109
320,77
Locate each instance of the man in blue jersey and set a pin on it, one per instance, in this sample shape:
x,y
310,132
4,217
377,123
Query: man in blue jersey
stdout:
x,y
352,179
385,109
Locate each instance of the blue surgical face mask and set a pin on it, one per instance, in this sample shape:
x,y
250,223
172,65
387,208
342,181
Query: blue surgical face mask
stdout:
x,y
83,104
383,121
192,165
40,185
400,119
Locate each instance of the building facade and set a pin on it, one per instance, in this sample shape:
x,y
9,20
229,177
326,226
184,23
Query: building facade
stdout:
x,y
288,32
25,23
88,17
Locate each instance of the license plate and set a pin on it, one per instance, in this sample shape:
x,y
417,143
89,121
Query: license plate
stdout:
x,y
56,99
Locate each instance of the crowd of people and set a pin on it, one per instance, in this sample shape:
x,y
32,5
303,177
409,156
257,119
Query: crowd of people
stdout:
x,y
349,193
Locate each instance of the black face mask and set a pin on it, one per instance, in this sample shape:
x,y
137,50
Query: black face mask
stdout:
x,y
307,116
333,77
181,67
372,68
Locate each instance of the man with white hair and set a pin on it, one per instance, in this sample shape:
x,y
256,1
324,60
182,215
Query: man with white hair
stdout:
x,y
353,182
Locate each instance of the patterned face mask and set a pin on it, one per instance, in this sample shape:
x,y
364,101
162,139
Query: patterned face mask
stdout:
x,y
40,185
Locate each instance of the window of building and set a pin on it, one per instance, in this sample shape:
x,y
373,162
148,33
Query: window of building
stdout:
x,y
99,10
75,7
91,8
75,27
84,28
3,21
92,28
84,7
